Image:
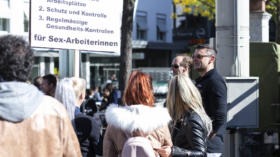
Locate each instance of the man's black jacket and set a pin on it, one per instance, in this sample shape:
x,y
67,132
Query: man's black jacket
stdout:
x,y
213,91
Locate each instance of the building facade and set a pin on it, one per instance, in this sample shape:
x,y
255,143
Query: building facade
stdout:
x,y
152,42
14,19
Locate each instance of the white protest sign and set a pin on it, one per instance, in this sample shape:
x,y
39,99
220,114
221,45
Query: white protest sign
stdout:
x,y
90,25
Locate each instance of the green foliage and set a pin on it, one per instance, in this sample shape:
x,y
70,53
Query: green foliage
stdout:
x,y
205,8
273,7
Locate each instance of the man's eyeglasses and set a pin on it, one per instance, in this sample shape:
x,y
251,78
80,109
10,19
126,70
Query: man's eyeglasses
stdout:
x,y
199,56
176,66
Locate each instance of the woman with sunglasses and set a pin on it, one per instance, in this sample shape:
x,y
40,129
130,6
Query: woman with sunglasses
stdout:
x,y
181,64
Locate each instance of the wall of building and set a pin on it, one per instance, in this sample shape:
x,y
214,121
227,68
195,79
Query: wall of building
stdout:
x,y
97,68
15,12
154,7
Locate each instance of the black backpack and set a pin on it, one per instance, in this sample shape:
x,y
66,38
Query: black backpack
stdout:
x,y
89,107
88,133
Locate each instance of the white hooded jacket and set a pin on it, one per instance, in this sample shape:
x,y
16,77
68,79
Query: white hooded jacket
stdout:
x,y
123,120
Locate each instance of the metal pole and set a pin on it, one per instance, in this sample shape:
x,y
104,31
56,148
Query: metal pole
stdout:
x,y
232,44
76,63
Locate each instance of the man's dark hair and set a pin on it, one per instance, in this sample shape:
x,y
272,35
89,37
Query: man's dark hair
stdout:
x,y
210,49
51,79
203,46
16,58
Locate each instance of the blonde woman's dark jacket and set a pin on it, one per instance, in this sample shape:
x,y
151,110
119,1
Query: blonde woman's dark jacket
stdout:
x,y
189,137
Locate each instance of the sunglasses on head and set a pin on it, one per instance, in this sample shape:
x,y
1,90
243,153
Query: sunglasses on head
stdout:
x,y
176,66
199,56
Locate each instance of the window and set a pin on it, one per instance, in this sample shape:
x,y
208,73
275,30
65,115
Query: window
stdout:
x,y
161,27
5,3
141,25
4,24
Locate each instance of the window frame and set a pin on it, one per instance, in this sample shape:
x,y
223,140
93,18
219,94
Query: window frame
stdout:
x,y
141,25
161,27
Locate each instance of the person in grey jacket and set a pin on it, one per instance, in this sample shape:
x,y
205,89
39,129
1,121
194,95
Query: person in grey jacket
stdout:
x,y
191,125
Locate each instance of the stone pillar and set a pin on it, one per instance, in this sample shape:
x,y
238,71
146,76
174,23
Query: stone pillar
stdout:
x,y
42,66
51,65
257,5
259,21
232,44
77,60
232,37
64,64
259,26
85,68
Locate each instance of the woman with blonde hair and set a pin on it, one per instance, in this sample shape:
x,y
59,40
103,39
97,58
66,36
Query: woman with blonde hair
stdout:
x,y
190,123
65,93
139,116
71,93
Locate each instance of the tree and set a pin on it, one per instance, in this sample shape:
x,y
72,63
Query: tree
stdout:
x,y
273,7
126,43
206,8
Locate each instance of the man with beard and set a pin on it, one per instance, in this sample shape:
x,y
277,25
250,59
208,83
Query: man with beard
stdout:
x,y
213,90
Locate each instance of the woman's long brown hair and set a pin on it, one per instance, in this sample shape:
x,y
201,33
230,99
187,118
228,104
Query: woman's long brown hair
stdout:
x,y
139,89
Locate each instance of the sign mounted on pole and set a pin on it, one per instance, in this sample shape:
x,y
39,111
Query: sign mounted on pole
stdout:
x,y
90,25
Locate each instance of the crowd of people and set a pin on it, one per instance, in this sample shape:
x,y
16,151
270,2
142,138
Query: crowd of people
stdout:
x,y
62,118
